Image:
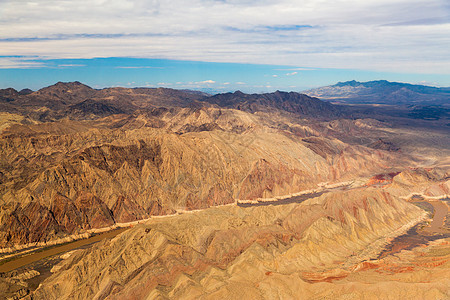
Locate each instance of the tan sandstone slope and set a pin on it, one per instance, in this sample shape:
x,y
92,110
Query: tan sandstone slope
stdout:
x,y
238,253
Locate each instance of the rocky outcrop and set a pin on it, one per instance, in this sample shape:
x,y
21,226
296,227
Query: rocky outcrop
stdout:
x,y
430,182
384,145
91,109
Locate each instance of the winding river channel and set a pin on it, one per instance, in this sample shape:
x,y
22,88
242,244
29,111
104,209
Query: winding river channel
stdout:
x,y
36,256
28,259
417,235
423,232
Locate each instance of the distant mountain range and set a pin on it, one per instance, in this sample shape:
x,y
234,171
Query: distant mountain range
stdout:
x,y
382,92
291,102
79,101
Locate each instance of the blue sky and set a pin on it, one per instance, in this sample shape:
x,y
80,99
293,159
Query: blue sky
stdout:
x,y
254,46
207,76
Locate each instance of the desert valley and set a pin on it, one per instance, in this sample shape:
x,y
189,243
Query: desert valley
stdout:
x,y
156,193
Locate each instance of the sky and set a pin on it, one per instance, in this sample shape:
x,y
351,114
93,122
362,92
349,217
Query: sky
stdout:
x,y
223,45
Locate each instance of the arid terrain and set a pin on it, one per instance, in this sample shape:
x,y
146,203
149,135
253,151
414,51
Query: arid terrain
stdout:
x,y
158,193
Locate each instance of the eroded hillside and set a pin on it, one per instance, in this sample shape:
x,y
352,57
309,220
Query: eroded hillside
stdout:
x,y
232,252
254,196
64,177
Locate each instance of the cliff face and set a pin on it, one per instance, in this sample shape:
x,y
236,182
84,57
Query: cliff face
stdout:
x,y
230,251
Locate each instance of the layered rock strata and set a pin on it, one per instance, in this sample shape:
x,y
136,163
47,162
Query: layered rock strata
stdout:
x,y
234,252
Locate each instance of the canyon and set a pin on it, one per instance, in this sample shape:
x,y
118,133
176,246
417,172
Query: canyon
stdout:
x,y
254,196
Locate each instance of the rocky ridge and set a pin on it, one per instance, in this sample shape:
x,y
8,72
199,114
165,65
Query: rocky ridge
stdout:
x,y
74,99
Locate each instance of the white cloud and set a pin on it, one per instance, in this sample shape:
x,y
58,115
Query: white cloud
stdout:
x,y
193,85
19,63
206,82
291,74
383,35
71,65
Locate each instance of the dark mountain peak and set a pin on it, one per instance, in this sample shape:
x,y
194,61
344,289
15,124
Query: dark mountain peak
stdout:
x,y
8,94
73,92
25,92
68,85
347,83
282,93
287,101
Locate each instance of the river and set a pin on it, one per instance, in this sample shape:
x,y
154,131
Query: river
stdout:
x,y
41,254
422,233
415,236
